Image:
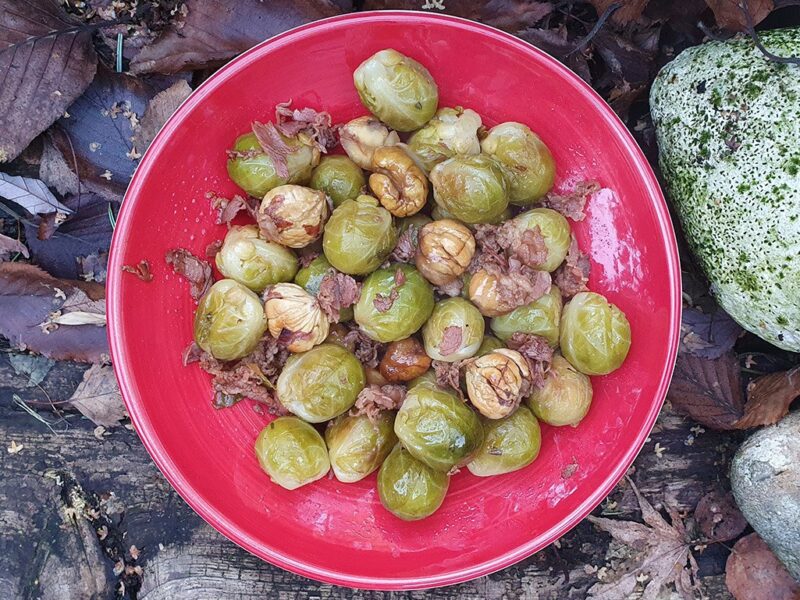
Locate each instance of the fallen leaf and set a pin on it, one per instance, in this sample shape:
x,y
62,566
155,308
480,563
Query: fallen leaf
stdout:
x,y
30,298
730,15
9,246
158,111
31,194
34,367
54,170
662,551
769,397
753,572
708,335
718,517
98,398
215,30
46,61
629,10
708,390
561,48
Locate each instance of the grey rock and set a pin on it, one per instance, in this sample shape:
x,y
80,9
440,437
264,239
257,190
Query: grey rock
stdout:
x,y
765,478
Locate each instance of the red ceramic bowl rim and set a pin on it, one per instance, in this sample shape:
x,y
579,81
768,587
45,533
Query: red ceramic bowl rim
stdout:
x,y
275,555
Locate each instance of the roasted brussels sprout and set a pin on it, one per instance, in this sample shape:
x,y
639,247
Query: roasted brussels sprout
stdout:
x,y
293,215
595,334
555,231
362,136
436,427
397,89
359,236
489,344
339,177
292,453
229,320
320,384
540,317
408,488
529,165
397,181
454,330
470,188
310,277
404,360
253,171
565,397
510,444
445,249
293,311
394,303
253,261
418,220
496,382
452,131
427,377
358,446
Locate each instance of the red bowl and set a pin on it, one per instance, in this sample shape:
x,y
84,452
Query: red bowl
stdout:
x,y
328,530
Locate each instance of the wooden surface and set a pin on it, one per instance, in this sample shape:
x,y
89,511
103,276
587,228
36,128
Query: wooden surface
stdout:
x,y
64,491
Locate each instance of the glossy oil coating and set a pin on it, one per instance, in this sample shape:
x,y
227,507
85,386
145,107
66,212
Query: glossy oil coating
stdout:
x,y
340,533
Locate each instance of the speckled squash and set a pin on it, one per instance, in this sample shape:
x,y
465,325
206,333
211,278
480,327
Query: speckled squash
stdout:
x,y
728,127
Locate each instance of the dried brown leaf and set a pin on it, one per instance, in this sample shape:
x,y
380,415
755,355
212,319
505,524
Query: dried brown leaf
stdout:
x,y
753,572
9,246
718,517
730,13
769,397
158,111
629,10
98,398
46,61
708,390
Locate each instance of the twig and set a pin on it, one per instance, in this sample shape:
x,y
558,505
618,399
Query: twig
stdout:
x,y
612,8
751,31
21,403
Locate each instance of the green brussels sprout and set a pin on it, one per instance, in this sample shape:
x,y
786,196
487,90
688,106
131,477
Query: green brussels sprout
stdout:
x,y
408,488
322,383
389,310
470,188
397,89
595,334
359,236
251,260
254,172
529,165
540,317
292,452
357,446
339,177
454,330
438,428
229,321
510,444
310,277
452,131
428,376
489,344
418,220
555,231
565,397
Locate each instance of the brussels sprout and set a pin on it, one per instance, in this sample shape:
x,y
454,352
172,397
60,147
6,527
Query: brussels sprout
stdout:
x,y
251,260
427,377
510,444
595,334
362,136
470,188
408,488
489,344
321,384
540,317
555,231
438,428
339,177
357,446
418,220
229,320
454,330
292,452
309,278
394,303
359,236
565,397
529,165
253,171
397,89
452,131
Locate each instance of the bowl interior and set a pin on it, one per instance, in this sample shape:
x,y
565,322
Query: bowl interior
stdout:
x,y
336,532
